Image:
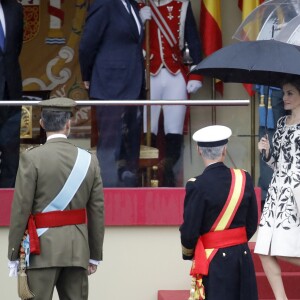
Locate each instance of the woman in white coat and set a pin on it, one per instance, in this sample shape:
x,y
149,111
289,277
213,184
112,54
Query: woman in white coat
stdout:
x,y
279,229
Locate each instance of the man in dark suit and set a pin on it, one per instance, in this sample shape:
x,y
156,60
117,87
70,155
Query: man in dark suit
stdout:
x,y
10,88
112,67
220,216
58,188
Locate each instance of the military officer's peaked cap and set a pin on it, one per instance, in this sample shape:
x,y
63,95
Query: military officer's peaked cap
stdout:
x,y
212,136
58,104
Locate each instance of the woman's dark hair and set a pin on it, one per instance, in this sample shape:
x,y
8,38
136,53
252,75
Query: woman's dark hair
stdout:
x,y
293,80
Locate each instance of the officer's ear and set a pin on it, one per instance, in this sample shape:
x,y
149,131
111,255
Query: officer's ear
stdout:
x,y
68,124
42,123
224,151
199,150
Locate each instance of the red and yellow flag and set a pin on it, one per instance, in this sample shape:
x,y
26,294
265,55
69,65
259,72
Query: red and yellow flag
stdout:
x,y
246,7
211,30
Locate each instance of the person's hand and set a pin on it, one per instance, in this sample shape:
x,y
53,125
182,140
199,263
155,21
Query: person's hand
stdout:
x,y
193,86
92,269
13,268
86,84
264,145
145,13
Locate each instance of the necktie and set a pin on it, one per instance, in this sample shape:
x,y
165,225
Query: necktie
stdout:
x,y
132,16
128,6
2,37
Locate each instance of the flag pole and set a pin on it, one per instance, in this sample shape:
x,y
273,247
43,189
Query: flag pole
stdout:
x,y
213,109
148,95
253,144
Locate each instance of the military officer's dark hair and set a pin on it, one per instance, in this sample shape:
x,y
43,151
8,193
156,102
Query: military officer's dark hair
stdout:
x,y
55,120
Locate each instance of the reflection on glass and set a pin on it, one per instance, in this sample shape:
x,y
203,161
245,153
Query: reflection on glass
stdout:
x,y
151,162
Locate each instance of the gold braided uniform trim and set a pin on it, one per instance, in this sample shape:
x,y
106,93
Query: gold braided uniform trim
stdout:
x,y
187,252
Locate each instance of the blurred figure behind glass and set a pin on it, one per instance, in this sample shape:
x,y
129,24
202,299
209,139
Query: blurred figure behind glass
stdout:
x,y
11,17
112,67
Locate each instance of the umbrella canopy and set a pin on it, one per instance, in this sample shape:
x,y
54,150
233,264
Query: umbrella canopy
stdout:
x,y
291,32
264,62
267,20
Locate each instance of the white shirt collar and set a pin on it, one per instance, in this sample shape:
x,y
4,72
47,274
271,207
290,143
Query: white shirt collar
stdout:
x,y
56,135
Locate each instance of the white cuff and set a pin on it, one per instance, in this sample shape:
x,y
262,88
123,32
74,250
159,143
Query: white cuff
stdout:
x,y
94,262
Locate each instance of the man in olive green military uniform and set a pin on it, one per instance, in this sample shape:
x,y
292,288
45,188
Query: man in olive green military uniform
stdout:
x,y
59,194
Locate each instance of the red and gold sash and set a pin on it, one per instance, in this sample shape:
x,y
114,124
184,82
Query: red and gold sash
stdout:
x,y
219,235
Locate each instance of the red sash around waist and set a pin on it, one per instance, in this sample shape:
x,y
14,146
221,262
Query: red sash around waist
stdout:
x,y
216,240
52,219
60,218
224,238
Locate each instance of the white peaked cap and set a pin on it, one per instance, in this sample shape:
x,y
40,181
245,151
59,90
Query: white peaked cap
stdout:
x,y
212,136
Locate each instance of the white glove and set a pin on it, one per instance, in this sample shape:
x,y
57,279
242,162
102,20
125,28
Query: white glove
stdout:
x,y
13,268
145,13
193,86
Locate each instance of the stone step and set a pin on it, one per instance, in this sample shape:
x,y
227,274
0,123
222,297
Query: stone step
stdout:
x,y
291,281
184,295
290,274
285,266
173,295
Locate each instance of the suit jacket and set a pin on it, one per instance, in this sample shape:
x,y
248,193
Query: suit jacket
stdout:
x,y
10,71
110,51
41,175
231,273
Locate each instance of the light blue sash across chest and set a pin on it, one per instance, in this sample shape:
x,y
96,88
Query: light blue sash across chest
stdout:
x,y
64,197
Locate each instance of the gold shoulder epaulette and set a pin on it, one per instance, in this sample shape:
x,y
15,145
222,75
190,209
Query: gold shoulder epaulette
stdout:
x,y
90,151
32,147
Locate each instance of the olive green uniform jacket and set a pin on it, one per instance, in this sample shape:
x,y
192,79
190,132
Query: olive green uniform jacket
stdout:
x,y
42,173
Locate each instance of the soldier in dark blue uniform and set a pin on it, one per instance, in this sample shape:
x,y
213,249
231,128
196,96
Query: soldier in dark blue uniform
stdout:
x,y
220,216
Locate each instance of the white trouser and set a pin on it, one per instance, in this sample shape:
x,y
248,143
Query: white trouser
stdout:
x,y
166,86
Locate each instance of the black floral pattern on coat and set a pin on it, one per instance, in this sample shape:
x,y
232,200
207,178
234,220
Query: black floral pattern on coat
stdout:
x,y
280,209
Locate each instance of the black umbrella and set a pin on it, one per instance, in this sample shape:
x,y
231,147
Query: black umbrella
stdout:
x,y
264,62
